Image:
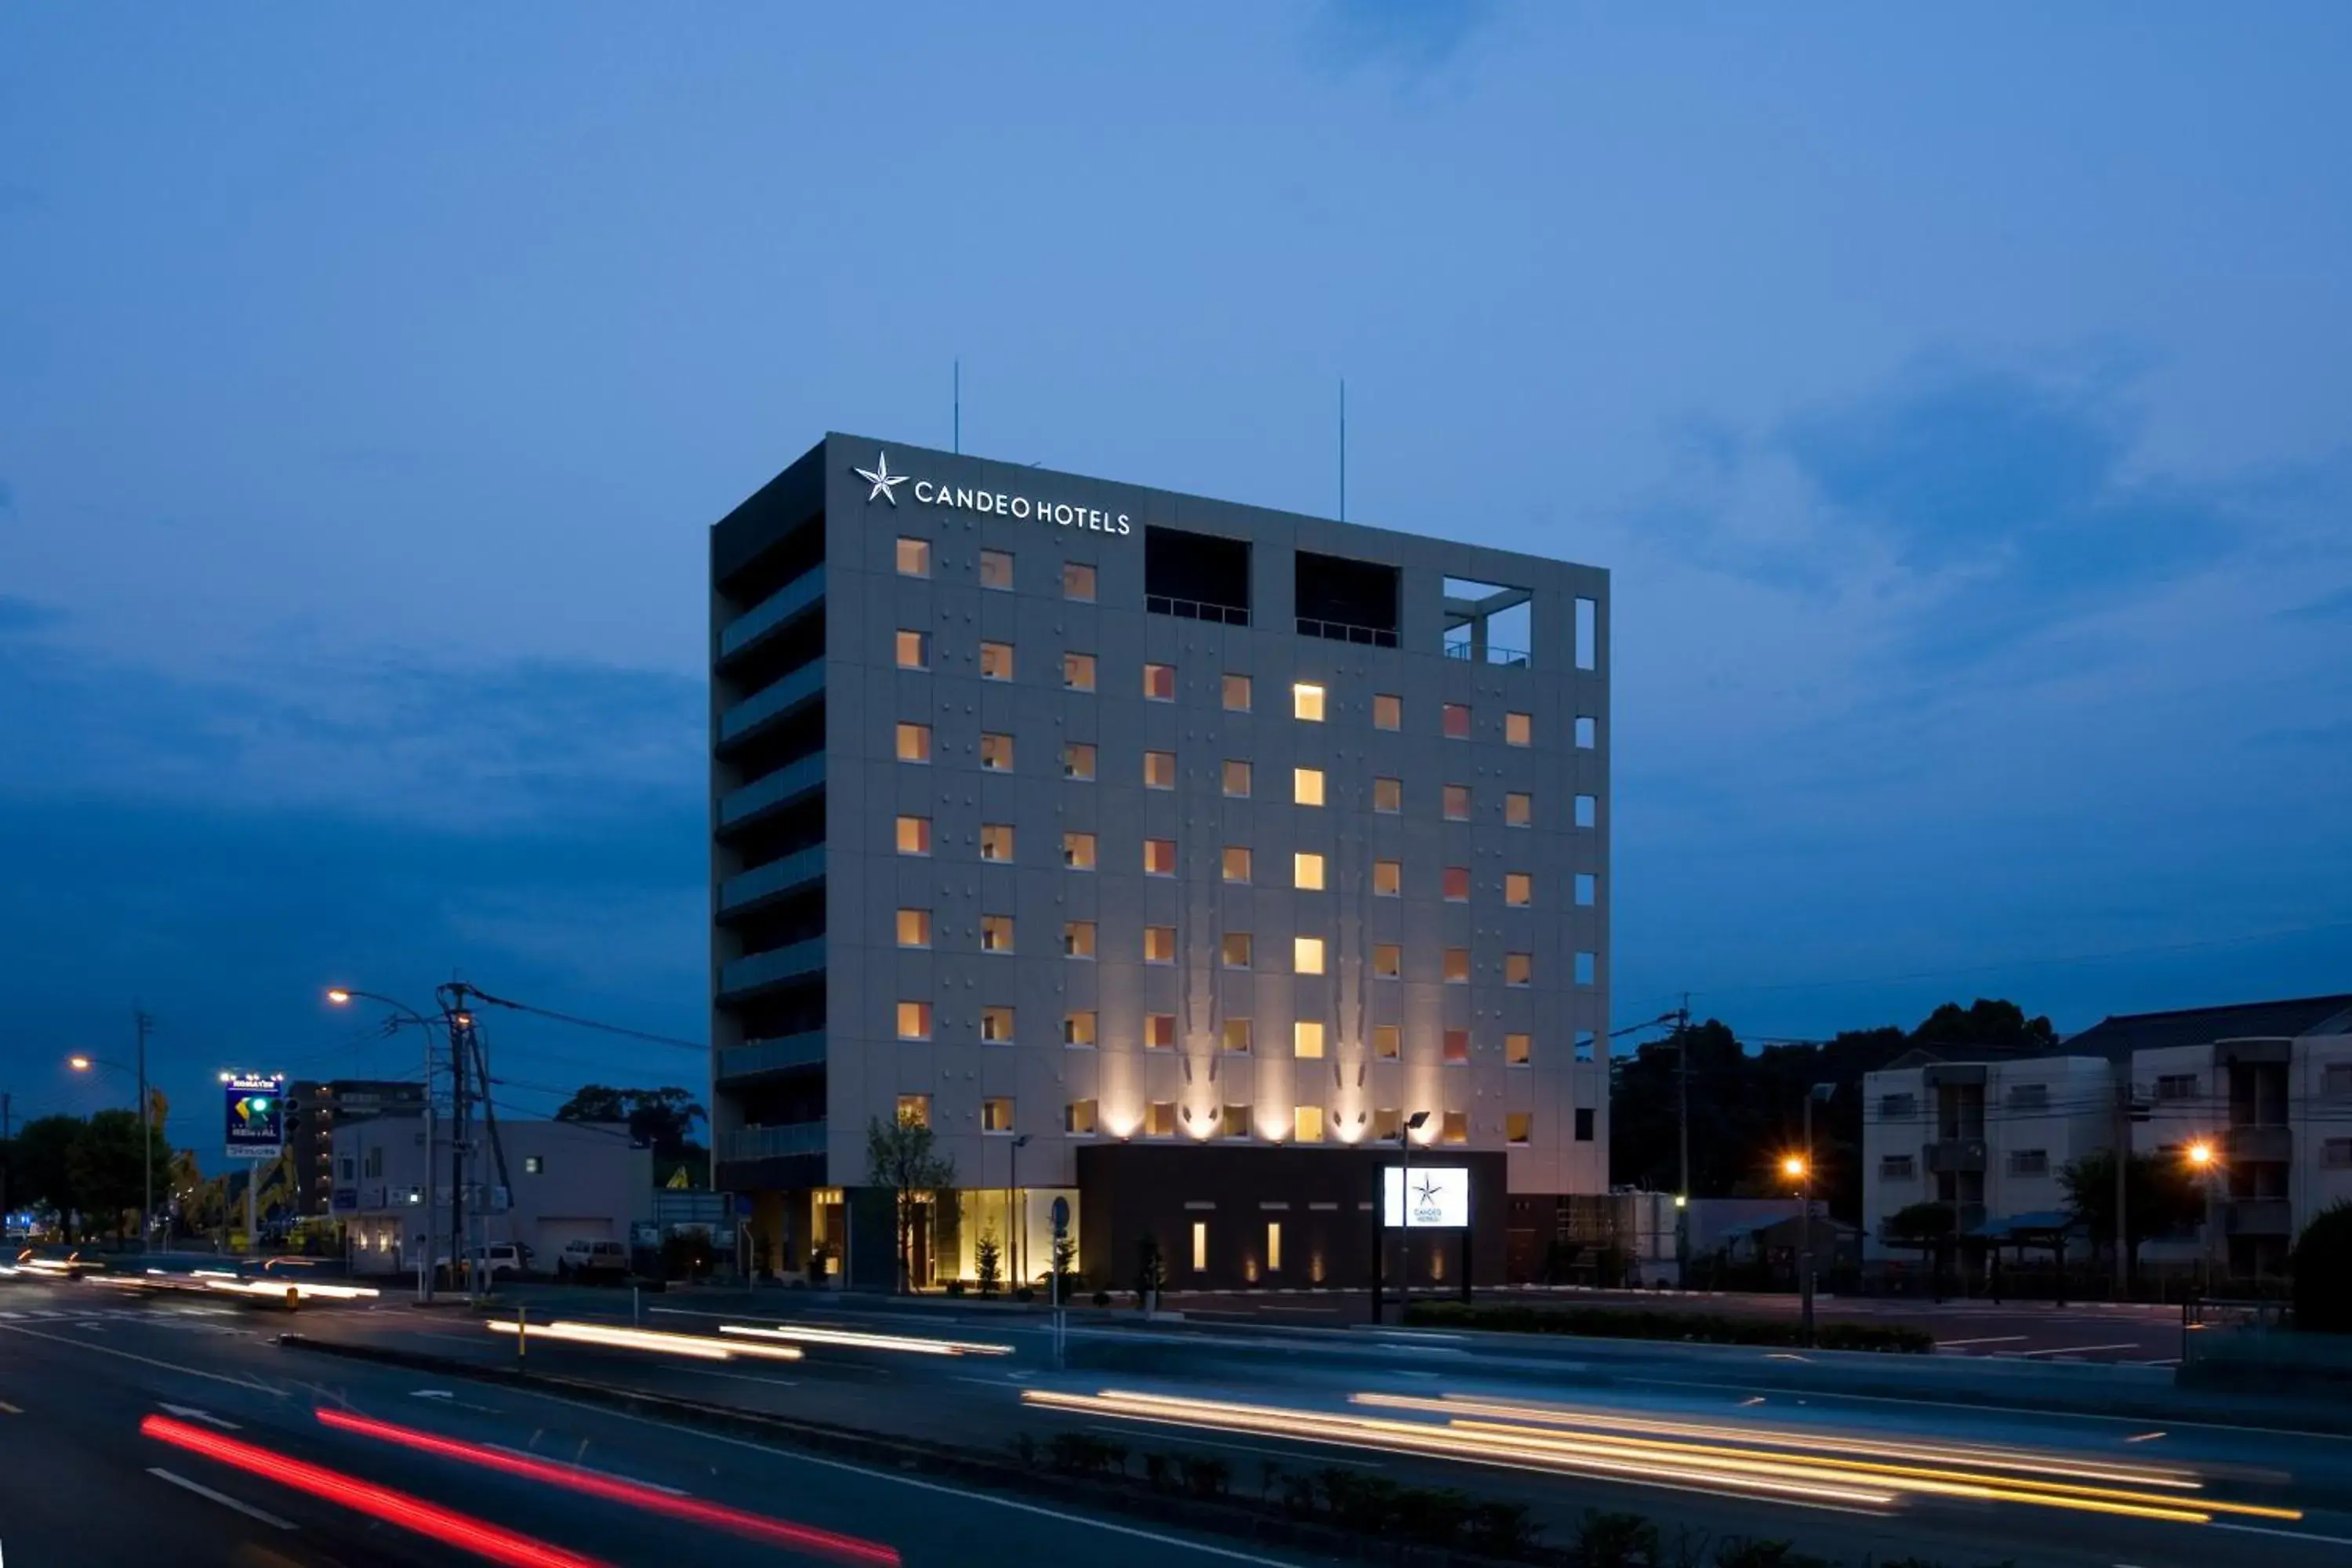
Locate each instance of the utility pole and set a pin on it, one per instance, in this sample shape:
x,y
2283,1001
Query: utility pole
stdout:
x,y
453,1005
2122,1172
1682,1085
7,1154
142,1023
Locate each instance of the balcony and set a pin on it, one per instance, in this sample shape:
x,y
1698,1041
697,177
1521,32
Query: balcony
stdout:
x,y
1953,1156
2255,1052
2270,1143
793,782
777,967
764,884
2258,1216
777,700
761,1058
749,1143
773,614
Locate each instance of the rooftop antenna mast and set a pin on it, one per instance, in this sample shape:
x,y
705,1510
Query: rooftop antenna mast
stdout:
x,y
958,436
1343,448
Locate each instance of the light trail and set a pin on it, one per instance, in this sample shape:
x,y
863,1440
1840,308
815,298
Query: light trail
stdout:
x,y
852,1339
699,1347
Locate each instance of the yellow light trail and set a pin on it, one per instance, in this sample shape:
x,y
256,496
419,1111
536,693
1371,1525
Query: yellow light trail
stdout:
x,y
851,1338
699,1347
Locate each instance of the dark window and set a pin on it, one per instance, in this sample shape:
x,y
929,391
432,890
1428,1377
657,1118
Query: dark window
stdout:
x,y
1347,601
1198,576
1584,1124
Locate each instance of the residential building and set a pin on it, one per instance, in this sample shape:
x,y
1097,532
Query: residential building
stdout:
x,y
1069,817
314,1108
1989,1139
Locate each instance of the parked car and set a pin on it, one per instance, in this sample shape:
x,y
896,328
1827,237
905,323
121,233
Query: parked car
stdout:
x,y
500,1257
584,1259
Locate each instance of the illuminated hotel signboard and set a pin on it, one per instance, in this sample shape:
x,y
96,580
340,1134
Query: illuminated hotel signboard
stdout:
x,y
1439,1198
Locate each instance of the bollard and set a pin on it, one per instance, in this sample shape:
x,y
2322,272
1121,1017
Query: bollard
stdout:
x,y
523,1330
637,1304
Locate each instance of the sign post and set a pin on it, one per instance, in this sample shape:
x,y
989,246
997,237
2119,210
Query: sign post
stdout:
x,y
1426,1197
1061,1234
253,1129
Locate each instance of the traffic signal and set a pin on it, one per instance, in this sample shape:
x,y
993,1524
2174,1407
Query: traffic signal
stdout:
x,y
290,1115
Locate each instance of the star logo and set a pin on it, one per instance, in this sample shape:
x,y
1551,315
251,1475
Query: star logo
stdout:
x,y
1428,1192
885,483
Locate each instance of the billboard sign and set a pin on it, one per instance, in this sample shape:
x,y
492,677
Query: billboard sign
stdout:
x,y
255,1115
1439,1197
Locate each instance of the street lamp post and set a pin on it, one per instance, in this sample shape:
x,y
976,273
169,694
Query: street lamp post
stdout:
x,y
2202,1161
1801,1167
1412,1124
403,1013
1017,1238
146,1126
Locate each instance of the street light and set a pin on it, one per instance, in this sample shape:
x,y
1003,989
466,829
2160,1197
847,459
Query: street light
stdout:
x,y
1011,1196
1803,1169
80,1063
2203,1159
342,997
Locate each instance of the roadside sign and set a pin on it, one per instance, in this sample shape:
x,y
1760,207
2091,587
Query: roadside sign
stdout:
x,y
1061,1218
254,1119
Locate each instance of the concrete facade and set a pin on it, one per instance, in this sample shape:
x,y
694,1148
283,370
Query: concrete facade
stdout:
x,y
314,1108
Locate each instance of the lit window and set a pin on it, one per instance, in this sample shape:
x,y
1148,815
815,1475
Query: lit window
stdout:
x,y
913,836
915,1110
1236,1121
1456,1128
1078,1028
1077,581
996,1025
996,569
1159,770
1077,939
996,1115
1388,794
1519,809
1306,1039
1587,732
1388,712
913,1020
914,651
1457,720
914,742
1236,863
1079,1120
1519,728
1458,1044
1306,954
1518,968
1159,683
1516,1050
1307,872
1307,701
1585,965
1078,760
1237,693
1588,811
1388,1041
1386,1124
532,1165
1159,944
1456,971
914,557
1233,1035
1200,1245
996,933
1518,889
996,841
1237,779
1274,1235
1388,879
1307,1127
996,753
1078,851
1387,960
1519,1126
1159,1119
914,928
1233,949
1306,787
1588,887
996,661
1457,887
1160,1031
1160,856
1457,803
1079,671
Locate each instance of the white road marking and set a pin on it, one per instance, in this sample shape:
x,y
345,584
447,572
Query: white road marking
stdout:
x,y
223,1498
2285,1534
2076,1350
142,1360
586,1469
191,1413
1987,1340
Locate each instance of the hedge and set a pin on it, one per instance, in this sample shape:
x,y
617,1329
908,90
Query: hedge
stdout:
x,y
1653,1324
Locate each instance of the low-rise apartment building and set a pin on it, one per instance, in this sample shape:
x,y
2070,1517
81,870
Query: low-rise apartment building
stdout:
x,y
1987,1138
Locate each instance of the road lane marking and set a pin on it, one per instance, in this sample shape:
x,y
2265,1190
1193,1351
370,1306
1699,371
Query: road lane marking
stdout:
x,y
585,1469
2285,1534
202,1490
1987,1340
191,1413
2076,1350
2144,1438
142,1360
9,1409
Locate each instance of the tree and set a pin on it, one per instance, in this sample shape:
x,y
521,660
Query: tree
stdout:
x,y
2161,1195
2322,1266
901,1157
44,1174
1150,1271
664,1120
987,1259
107,1174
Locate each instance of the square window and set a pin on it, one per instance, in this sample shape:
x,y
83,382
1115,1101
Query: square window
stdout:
x,y
1159,770
1079,581
1160,1031
1236,779
1159,944
1079,1119
1585,1044
1236,863
1458,1044
1518,889
1388,1041
996,569
1306,787
1237,693
913,1020
1078,1028
1077,939
1584,1124
996,1115
1456,1128
915,1110
1457,889
914,651
996,841
996,754
996,661
1519,809
1387,712
1587,732
1307,701
1518,968
1388,879
1306,1125
1306,1039
914,928
1079,671
1588,633
1078,760
1233,949
1306,871
914,742
1457,803
532,1165
1235,1121
1387,1124
996,1025
914,557
996,933
1159,1119
1160,856
1585,965
1234,1035
1519,730
1517,1051
1200,1245
1588,811
1519,1126
1588,887
1387,960
1306,954
1159,683
1456,969
1078,851
913,836
1457,720
1388,794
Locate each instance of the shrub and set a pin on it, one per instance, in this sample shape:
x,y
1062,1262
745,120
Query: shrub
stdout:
x,y
1616,1541
2322,1266
1025,1294
955,1287
1084,1454
1503,1527
1748,1552
1204,1478
1102,1298
1655,1323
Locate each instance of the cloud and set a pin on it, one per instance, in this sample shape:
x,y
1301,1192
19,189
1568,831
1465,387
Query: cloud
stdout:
x,y
7,498
2334,606
19,616
1418,36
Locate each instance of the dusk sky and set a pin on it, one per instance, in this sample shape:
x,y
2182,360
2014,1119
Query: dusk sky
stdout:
x,y
1960,402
